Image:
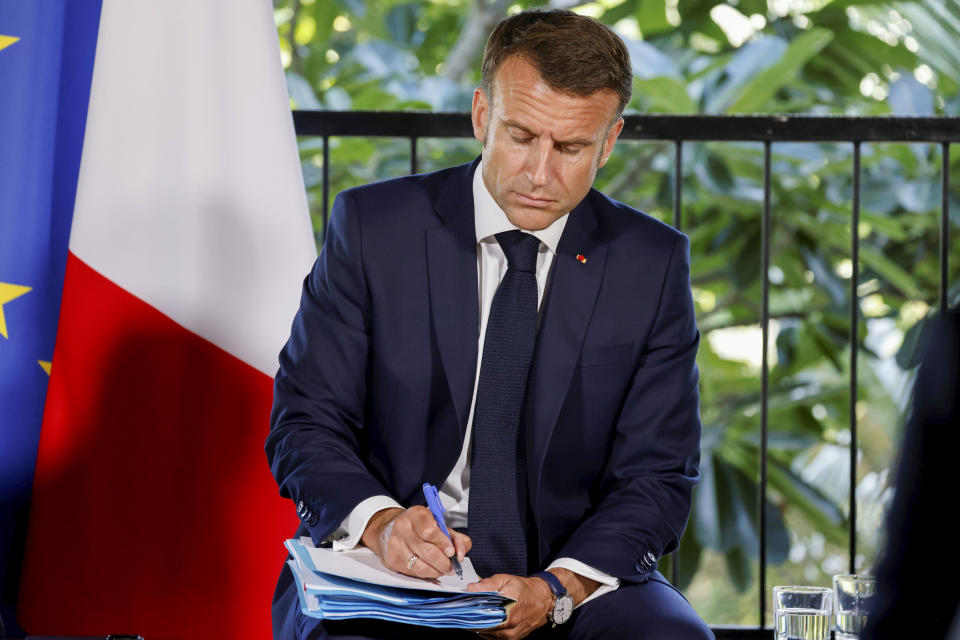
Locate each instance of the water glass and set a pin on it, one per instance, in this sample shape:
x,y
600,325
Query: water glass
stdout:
x,y
852,599
802,613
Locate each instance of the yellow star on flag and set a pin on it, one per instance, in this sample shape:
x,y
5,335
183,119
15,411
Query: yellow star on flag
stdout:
x,y
6,41
8,292
46,366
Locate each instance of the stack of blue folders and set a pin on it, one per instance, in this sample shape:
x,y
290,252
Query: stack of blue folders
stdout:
x,y
342,585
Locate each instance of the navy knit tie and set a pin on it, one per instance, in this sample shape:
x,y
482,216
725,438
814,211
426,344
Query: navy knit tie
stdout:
x,y
498,478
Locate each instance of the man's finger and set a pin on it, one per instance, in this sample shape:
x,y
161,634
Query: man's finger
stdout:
x,y
404,540
425,526
493,583
431,555
483,585
462,543
425,564
510,588
400,558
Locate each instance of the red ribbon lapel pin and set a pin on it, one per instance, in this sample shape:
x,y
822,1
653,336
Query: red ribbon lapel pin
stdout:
x,y
582,259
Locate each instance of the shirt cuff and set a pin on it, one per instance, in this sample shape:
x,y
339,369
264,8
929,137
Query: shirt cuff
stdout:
x,y
607,582
348,535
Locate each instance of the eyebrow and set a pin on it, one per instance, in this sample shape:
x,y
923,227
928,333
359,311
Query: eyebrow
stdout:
x,y
583,142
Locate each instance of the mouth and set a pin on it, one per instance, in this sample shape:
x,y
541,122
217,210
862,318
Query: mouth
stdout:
x,y
532,201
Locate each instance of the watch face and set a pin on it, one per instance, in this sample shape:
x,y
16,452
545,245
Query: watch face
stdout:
x,y
563,609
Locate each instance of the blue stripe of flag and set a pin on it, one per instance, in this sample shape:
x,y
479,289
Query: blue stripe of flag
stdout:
x,y
44,90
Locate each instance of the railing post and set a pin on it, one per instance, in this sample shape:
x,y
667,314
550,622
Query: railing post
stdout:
x,y
678,225
326,187
678,184
413,155
854,349
764,377
945,227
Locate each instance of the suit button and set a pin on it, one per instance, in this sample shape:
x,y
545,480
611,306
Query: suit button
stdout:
x,y
301,508
647,563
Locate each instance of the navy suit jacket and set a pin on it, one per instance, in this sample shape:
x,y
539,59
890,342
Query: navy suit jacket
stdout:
x,y
375,382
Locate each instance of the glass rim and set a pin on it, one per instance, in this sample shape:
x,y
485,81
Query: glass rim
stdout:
x,y
802,589
855,576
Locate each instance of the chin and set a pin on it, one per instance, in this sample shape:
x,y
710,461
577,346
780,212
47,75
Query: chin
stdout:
x,y
533,219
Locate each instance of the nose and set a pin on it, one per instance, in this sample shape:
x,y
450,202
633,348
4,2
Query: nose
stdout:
x,y
538,168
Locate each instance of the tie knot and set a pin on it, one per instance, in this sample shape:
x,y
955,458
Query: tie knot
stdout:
x,y
521,250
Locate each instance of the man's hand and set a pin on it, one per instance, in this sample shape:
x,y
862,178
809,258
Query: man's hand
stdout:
x,y
534,600
396,535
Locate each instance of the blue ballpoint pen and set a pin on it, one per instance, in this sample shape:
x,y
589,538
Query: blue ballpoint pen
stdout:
x,y
433,503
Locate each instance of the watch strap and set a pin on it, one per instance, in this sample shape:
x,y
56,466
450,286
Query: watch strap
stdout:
x,y
555,585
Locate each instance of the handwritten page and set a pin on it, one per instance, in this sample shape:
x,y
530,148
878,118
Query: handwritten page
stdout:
x,y
363,564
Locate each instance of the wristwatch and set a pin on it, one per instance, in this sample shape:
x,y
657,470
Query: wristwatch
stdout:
x,y
563,601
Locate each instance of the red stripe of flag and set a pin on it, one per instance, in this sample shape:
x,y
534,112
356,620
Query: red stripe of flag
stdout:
x,y
154,511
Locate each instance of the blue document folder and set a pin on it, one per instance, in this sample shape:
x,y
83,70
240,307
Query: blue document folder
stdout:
x,y
342,585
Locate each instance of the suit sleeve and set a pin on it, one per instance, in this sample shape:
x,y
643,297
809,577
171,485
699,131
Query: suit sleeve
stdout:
x,y
316,445
654,460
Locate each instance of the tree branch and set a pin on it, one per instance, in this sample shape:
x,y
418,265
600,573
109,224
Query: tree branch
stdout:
x,y
483,16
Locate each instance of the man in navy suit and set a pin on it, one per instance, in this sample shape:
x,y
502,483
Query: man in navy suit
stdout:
x,y
507,333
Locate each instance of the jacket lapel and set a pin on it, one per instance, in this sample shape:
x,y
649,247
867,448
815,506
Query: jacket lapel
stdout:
x,y
452,272
566,313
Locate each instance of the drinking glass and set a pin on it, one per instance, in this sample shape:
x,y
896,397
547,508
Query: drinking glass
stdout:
x,y
852,599
801,613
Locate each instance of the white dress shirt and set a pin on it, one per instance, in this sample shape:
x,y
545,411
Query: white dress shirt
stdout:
x,y
489,220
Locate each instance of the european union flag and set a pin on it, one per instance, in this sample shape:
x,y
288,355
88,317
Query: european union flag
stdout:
x,y
46,60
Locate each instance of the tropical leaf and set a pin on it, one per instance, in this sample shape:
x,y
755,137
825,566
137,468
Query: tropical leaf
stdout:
x,y
665,94
890,271
823,514
764,86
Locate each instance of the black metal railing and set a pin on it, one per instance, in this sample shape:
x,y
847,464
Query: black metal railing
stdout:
x,y
767,129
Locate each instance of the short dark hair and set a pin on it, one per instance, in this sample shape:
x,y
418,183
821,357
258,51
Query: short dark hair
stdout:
x,y
572,53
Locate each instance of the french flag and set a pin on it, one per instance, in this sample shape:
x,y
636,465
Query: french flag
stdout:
x,y
153,510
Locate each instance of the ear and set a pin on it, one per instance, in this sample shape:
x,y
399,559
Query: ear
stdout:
x,y
612,134
479,113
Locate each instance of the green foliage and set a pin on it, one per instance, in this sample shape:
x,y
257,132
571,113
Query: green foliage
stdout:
x,y
842,57
764,85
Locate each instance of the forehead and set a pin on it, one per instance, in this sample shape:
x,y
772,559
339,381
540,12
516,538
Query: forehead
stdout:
x,y
520,95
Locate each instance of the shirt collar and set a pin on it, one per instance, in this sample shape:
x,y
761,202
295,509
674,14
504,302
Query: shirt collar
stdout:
x,y
489,218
